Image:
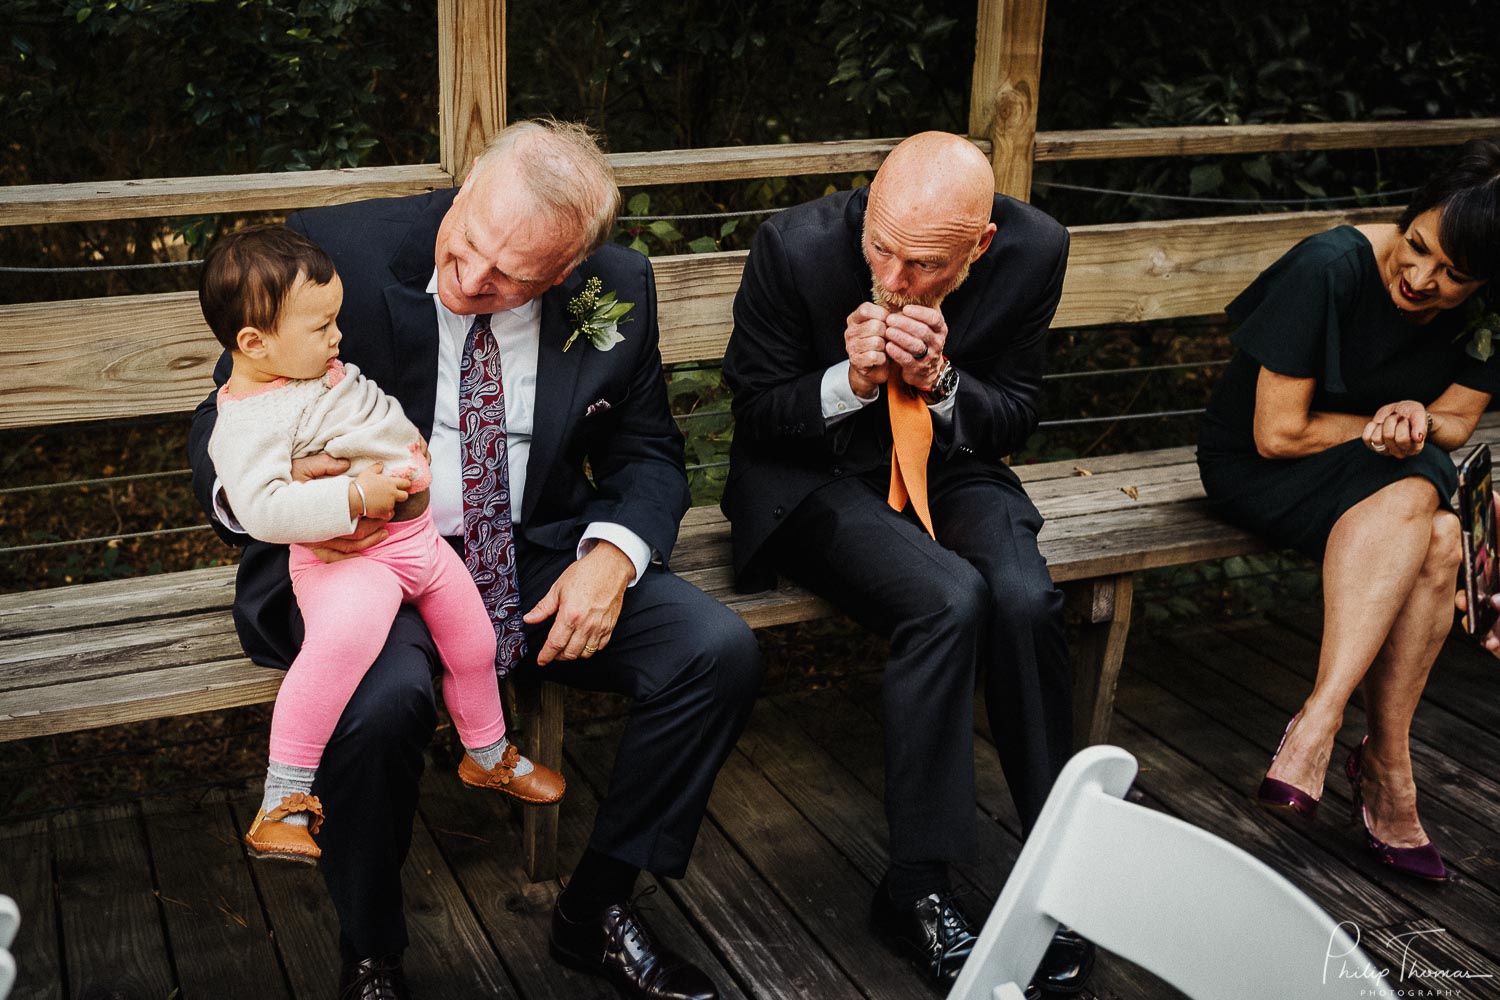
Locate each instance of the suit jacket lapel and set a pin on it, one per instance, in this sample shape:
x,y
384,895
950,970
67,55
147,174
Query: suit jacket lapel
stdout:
x,y
556,387
414,317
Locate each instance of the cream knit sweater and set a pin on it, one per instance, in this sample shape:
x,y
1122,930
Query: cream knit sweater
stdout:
x,y
344,414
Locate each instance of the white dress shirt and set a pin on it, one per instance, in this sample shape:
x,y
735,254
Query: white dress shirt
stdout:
x,y
518,334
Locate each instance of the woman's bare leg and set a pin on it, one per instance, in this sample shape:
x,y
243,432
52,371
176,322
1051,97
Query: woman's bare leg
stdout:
x,y
1375,555
1394,686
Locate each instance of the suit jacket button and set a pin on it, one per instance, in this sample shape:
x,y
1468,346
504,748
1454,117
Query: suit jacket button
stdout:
x,y
837,471
779,511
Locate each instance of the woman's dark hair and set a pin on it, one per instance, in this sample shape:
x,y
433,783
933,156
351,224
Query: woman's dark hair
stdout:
x,y
248,273
1467,191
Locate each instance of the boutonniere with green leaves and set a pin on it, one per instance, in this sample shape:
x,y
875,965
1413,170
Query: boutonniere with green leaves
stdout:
x,y
1481,328
597,316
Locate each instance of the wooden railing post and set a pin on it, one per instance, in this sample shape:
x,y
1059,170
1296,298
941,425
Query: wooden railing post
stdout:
x,y
471,79
1003,99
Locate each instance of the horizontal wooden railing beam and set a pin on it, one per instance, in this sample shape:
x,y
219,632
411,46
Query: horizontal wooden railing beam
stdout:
x,y
161,197
97,359
1199,140
34,204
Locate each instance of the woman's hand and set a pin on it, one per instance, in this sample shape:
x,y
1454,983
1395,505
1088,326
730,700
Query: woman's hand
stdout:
x,y
1398,430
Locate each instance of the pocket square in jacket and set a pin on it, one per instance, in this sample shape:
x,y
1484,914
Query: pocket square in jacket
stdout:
x,y
597,406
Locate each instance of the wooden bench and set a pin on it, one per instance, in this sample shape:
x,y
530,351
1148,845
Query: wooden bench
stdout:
x,y
122,651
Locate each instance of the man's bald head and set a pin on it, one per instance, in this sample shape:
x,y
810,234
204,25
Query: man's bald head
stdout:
x,y
928,219
938,177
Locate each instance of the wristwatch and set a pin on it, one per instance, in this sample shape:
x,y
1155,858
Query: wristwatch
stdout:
x,y
944,386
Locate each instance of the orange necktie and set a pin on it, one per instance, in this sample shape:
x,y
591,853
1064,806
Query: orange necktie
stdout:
x,y
911,429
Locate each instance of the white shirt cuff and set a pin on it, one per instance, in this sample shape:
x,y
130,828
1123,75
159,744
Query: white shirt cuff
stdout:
x,y
627,541
221,509
943,412
839,400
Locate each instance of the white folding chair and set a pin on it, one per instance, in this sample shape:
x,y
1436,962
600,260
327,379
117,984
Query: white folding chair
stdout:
x,y
1191,908
10,919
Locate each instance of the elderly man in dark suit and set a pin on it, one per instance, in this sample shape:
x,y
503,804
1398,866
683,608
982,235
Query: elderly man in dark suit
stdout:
x,y
596,489
929,291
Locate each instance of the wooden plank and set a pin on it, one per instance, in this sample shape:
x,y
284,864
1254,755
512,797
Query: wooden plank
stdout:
x,y
137,647
1069,468
838,721
34,204
481,844
1201,140
678,925
113,945
165,197
213,916
97,359
304,927
732,163
112,602
1464,670
26,876
1098,652
1448,752
471,79
695,295
1462,820
1133,272
109,701
1468,910
762,939
1004,89
450,955
1192,792
831,897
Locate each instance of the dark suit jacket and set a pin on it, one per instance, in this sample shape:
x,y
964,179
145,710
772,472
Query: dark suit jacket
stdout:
x,y
805,274
631,448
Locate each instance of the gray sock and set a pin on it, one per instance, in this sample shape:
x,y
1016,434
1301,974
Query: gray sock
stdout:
x,y
488,757
283,780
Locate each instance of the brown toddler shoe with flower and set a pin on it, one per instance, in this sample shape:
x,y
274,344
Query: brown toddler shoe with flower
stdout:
x,y
271,836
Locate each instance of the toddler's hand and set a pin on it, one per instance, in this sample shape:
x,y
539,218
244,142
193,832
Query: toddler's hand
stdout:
x,y
381,493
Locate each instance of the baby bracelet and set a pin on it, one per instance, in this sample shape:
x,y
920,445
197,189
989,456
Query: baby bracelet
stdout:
x,y
364,505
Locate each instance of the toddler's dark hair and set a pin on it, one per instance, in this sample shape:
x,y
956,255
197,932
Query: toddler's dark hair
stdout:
x,y
248,273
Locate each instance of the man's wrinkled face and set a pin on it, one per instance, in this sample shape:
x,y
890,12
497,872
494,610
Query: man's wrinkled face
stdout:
x,y
915,260
495,249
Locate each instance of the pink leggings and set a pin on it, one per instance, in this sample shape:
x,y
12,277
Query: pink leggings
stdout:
x,y
347,608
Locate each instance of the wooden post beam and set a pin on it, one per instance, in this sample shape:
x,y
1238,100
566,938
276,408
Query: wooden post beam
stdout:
x,y
471,80
1003,98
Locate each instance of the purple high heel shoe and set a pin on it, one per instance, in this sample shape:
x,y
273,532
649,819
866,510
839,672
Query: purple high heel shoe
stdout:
x,y
1281,796
1419,862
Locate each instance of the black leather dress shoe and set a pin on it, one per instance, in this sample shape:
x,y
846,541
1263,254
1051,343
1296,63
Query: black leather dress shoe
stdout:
x,y
932,933
1066,965
374,979
619,946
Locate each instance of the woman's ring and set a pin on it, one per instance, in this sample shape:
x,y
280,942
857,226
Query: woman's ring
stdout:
x,y
590,650
1377,447
921,354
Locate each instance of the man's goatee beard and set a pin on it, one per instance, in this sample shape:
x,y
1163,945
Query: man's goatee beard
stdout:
x,y
891,302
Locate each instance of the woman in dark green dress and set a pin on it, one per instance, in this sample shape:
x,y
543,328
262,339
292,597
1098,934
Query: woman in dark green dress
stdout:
x,y
1329,433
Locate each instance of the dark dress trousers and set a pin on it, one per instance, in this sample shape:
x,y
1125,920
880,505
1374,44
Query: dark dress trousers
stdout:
x,y
691,666
808,499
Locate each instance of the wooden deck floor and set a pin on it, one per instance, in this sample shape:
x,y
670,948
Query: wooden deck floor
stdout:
x,y
156,900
